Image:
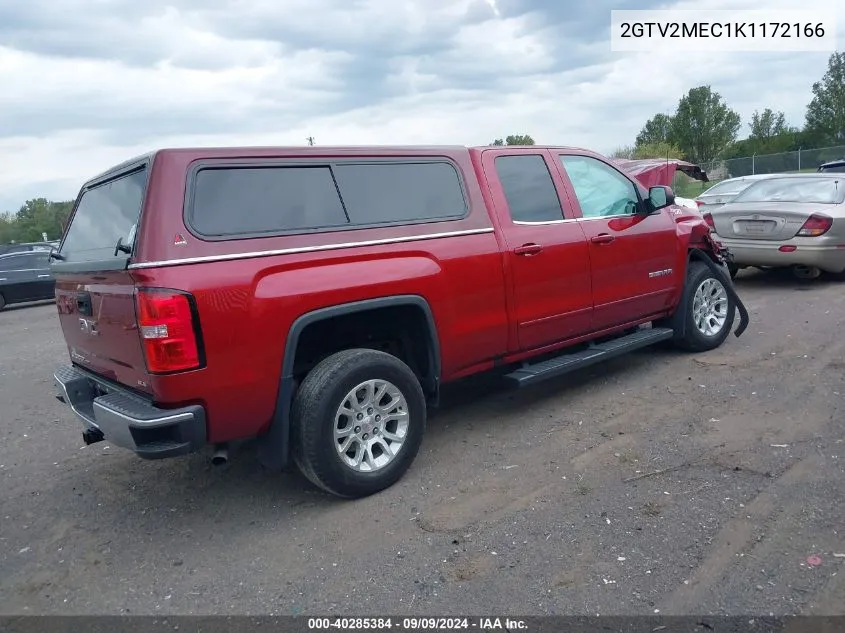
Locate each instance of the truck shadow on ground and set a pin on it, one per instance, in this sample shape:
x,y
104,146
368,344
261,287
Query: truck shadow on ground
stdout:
x,y
117,501
192,486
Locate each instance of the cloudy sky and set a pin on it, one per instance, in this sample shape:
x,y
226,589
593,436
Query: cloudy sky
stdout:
x,y
88,83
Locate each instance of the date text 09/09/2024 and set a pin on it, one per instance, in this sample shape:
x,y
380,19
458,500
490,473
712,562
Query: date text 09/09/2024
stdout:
x,y
416,624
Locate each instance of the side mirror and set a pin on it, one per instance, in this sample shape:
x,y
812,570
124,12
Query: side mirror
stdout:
x,y
660,197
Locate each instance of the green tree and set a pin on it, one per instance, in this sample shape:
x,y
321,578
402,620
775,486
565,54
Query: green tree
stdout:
x,y
514,139
657,150
703,126
826,111
656,130
33,219
624,152
767,124
7,228
769,135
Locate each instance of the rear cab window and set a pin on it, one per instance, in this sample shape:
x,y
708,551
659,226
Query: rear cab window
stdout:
x,y
231,201
106,216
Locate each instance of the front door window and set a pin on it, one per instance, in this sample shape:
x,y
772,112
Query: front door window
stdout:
x,y
601,190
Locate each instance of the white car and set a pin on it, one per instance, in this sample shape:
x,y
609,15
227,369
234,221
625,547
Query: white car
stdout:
x,y
687,203
725,191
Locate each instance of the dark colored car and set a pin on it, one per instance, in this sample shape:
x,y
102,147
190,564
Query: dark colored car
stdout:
x,y
835,166
27,247
26,276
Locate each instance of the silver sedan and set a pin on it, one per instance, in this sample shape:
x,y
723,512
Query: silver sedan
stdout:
x,y
725,191
790,220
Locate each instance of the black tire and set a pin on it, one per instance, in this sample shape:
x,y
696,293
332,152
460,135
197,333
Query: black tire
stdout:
x,y
693,339
2,301
316,404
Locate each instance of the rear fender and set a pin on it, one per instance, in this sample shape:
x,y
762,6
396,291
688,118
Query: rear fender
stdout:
x,y
274,447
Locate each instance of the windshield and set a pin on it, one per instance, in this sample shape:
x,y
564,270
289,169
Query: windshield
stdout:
x,y
105,213
837,168
812,190
728,187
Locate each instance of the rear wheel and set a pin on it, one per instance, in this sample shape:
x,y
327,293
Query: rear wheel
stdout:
x,y
2,301
358,420
710,310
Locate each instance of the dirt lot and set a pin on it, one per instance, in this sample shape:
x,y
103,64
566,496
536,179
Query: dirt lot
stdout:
x,y
519,503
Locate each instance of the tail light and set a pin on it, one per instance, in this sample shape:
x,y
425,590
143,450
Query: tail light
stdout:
x,y
169,327
817,224
708,219
699,203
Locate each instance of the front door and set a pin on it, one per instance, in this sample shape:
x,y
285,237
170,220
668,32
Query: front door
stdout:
x,y
547,255
633,254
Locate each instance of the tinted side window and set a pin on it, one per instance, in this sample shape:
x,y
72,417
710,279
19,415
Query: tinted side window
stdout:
x,y
241,200
10,262
601,190
529,188
400,192
23,261
38,259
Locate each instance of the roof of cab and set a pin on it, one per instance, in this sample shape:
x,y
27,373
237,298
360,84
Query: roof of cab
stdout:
x,y
262,150
268,150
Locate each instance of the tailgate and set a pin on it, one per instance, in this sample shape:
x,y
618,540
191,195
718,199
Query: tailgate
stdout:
x,y
94,289
98,320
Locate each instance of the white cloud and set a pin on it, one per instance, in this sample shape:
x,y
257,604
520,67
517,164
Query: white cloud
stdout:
x,y
222,81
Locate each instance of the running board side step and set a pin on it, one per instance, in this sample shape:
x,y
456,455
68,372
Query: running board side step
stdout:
x,y
530,374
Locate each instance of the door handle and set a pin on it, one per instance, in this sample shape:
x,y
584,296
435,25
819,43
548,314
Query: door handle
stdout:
x,y
528,249
602,238
42,276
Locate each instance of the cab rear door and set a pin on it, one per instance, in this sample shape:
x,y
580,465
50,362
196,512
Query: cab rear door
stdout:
x,y
547,256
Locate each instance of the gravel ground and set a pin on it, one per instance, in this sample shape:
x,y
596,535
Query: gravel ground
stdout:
x,y
521,503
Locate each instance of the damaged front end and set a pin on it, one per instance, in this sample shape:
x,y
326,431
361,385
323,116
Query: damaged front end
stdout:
x,y
720,252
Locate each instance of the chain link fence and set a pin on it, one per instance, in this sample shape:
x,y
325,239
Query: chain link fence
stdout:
x,y
800,160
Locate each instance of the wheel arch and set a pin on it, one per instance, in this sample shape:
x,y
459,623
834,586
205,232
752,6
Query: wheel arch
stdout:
x,y
274,447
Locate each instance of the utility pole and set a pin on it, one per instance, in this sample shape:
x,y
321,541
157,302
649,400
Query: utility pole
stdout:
x,y
310,140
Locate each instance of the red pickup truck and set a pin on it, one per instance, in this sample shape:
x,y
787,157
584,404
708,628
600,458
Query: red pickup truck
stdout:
x,y
317,298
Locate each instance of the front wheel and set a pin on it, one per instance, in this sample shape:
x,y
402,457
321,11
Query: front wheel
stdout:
x,y
709,310
358,420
